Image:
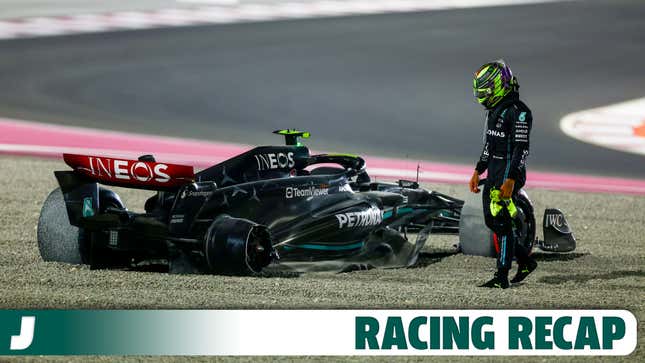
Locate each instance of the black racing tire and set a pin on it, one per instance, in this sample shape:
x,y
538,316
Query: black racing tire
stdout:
x,y
58,240
528,224
236,246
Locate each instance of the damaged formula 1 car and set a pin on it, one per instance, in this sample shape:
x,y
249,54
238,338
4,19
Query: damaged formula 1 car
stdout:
x,y
270,207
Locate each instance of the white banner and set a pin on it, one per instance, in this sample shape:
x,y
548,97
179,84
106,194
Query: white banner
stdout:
x,y
425,332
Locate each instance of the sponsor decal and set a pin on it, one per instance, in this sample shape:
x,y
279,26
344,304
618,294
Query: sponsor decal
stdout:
x,y
305,192
521,132
130,172
525,154
88,211
237,190
555,220
495,133
176,218
127,170
551,246
271,161
198,193
365,218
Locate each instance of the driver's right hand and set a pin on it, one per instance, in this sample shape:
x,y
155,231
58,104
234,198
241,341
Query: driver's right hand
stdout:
x,y
474,182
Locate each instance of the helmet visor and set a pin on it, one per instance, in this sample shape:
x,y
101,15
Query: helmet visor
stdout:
x,y
482,94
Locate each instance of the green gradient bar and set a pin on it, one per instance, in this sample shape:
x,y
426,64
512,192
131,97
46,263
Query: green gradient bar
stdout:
x,y
121,332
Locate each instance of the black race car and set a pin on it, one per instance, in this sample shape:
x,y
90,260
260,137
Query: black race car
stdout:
x,y
270,206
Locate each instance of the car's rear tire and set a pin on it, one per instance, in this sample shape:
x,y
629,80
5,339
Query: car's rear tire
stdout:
x,y
527,220
57,239
237,246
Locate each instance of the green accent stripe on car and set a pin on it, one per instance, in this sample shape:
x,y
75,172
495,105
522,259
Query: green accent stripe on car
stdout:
x,y
401,211
345,155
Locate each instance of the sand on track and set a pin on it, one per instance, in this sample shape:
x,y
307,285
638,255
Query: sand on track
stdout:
x,y
607,271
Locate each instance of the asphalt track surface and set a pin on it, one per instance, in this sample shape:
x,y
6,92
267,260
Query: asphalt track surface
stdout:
x,y
390,85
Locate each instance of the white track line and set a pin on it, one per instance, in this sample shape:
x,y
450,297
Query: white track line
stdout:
x,y
225,11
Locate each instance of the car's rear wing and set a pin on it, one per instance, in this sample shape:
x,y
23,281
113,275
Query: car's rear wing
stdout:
x,y
140,174
81,192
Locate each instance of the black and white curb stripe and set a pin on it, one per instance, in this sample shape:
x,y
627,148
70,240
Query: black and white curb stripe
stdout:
x,y
619,127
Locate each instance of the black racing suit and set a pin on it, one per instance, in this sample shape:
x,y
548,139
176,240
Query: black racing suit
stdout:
x,y
506,147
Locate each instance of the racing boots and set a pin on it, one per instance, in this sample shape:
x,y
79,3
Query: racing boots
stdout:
x,y
499,281
524,269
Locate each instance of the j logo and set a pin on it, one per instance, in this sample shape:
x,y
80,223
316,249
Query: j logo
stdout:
x,y
23,341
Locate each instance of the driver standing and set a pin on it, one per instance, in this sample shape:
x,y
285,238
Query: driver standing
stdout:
x,y
506,147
